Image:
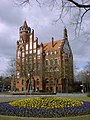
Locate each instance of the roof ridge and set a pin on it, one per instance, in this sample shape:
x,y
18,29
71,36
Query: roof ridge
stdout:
x,y
54,41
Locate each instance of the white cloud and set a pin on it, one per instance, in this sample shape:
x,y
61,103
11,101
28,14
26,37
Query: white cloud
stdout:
x,y
3,64
41,20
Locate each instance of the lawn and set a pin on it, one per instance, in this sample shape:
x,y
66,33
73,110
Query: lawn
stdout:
x,y
85,98
6,99
86,117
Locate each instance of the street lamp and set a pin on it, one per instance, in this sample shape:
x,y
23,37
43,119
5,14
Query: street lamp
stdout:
x,y
82,88
88,81
30,85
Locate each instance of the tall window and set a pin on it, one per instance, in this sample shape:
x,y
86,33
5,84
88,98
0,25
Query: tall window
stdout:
x,y
22,82
27,47
34,66
47,81
38,66
37,81
22,73
51,69
46,62
38,52
23,54
51,81
51,62
56,61
22,89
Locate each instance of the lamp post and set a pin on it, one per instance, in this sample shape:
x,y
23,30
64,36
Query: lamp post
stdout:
x,y
82,88
88,81
30,85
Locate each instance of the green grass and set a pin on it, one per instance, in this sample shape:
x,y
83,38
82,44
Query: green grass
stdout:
x,y
85,98
5,99
86,117
5,93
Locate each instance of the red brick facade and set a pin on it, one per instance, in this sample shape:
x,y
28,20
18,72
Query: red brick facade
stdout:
x,y
43,67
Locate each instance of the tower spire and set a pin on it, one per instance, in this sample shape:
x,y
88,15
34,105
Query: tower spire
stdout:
x,y
65,33
25,24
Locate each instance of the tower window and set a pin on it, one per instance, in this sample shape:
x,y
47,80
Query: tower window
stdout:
x,y
27,47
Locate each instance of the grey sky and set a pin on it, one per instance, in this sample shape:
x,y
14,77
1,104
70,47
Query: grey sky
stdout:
x,y
41,20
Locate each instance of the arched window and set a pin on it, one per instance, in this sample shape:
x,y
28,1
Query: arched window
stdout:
x,y
46,62
51,62
22,82
51,69
37,81
46,81
56,69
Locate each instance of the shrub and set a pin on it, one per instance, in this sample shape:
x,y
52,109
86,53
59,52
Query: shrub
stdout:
x,y
88,94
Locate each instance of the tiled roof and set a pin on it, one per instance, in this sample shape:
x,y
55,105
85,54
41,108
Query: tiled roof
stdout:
x,y
56,45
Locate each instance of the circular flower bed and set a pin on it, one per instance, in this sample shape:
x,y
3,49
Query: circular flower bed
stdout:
x,y
46,103
45,107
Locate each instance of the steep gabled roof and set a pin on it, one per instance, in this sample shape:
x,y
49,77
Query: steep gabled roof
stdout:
x,y
56,44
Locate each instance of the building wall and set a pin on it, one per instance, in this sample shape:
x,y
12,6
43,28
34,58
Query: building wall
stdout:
x,y
43,67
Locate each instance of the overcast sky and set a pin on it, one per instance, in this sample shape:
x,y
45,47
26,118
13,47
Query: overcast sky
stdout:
x,y
42,21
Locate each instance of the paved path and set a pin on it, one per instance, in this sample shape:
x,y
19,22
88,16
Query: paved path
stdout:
x,y
57,95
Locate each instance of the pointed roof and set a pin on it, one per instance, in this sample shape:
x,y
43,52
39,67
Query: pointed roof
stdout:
x,y
65,29
25,24
56,45
65,32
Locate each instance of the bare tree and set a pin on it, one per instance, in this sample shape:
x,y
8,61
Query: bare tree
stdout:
x,y
11,68
76,9
84,76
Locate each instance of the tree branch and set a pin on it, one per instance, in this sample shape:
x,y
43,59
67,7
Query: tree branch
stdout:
x,y
79,5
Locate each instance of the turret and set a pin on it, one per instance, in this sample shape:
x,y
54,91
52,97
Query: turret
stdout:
x,y
25,28
25,32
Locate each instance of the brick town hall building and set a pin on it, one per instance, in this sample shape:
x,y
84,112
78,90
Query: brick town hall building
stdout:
x,y
45,67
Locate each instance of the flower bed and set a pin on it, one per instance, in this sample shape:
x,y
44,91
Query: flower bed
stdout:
x,y
45,107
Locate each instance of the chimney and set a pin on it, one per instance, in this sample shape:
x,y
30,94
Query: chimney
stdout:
x,y
52,42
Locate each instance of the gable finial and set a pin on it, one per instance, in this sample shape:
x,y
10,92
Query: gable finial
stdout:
x,y
25,24
65,33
